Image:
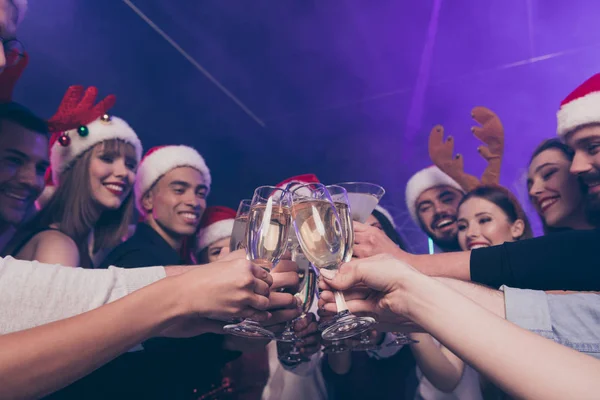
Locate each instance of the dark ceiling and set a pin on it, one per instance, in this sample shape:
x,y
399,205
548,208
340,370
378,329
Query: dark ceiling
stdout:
x,y
348,89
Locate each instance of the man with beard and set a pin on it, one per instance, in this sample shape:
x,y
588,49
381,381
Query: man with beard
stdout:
x,y
432,198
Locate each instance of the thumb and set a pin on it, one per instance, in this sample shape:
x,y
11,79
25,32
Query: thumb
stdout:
x,y
345,278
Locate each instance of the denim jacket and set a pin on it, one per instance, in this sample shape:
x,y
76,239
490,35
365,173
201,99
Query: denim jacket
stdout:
x,y
572,320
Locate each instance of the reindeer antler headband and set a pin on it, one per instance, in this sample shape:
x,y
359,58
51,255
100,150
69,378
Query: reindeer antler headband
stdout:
x,y
491,132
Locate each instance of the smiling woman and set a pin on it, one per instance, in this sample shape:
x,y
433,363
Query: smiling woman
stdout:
x,y
557,195
489,216
93,158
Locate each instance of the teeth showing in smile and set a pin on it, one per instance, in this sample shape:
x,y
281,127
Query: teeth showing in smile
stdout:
x,y
189,216
16,196
478,246
548,202
444,223
116,188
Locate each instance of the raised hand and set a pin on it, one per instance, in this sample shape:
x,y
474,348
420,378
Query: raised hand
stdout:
x,y
383,277
284,306
370,241
225,289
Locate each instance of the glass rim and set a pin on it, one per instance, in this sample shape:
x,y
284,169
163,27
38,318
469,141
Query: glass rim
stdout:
x,y
273,189
382,189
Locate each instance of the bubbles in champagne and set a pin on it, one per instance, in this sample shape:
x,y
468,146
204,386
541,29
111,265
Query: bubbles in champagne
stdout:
x,y
267,233
319,233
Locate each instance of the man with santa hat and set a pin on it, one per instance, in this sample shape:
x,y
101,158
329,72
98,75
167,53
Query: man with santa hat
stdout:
x,y
432,199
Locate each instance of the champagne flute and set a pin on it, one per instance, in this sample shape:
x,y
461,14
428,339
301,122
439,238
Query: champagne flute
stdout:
x,y
306,293
238,234
266,241
323,240
306,287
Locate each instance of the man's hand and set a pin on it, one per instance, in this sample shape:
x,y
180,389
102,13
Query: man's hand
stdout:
x,y
370,241
225,289
284,306
379,287
307,329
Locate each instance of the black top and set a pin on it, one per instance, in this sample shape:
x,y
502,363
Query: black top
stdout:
x,y
167,368
559,261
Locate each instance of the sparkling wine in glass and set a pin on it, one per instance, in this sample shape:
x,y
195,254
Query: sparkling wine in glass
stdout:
x,y
323,241
238,234
267,234
363,198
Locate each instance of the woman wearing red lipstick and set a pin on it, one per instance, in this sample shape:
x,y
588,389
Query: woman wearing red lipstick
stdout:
x,y
557,195
94,159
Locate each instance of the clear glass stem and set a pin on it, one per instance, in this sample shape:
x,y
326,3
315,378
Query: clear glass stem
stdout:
x,y
340,302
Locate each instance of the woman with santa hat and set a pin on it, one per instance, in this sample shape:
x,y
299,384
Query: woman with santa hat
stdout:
x,y
214,234
94,158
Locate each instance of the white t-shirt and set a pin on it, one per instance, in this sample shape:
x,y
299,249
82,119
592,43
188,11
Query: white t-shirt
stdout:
x,y
467,389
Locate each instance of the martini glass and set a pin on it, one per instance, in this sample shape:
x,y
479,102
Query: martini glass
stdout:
x,y
363,198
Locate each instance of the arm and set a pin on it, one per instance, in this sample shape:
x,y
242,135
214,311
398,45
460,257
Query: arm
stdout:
x,y
38,361
538,263
442,368
32,293
522,363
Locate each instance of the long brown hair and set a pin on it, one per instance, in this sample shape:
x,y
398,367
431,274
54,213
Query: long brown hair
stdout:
x,y
73,208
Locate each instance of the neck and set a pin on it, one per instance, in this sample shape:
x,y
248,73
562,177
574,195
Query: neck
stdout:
x,y
7,231
174,240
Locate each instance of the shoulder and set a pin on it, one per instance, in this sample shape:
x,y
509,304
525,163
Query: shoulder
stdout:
x,y
130,254
54,247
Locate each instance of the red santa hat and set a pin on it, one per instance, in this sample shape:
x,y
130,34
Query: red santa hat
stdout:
x,y
298,180
216,224
162,159
423,180
581,107
79,125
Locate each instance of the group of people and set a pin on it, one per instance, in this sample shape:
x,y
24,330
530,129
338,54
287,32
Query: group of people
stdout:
x,y
93,306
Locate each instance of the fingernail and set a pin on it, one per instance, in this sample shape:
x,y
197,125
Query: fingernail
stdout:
x,y
472,130
327,274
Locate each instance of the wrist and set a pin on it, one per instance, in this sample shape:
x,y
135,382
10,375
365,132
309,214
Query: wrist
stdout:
x,y
420,293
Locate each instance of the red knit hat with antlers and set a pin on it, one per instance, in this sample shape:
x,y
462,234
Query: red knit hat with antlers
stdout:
x,y
216,224
79,124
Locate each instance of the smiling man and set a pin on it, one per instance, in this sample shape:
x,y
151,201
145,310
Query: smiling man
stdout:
x,y
579,126
432,198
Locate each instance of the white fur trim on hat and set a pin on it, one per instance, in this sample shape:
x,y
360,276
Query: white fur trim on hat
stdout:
x,y
423,180
21,6
386,214
45,197
582,111
62,157
163,160
217,231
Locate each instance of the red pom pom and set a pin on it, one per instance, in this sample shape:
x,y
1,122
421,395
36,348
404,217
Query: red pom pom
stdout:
x,y
64,139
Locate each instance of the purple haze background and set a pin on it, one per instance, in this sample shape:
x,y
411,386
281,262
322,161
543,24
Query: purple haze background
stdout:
x,y
347,89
